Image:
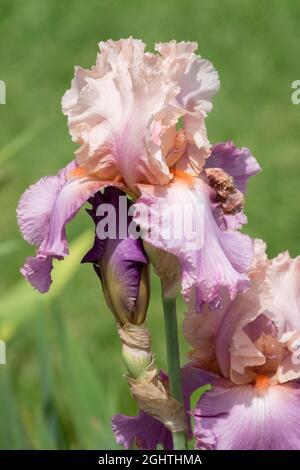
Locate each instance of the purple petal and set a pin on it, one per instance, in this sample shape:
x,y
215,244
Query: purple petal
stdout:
x,y
193,378
239,163
147,432
43,212
231,417
229,222
219,259
142,430
34,208
37,271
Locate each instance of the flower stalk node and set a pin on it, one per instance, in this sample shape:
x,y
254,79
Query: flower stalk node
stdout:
x,y
149,388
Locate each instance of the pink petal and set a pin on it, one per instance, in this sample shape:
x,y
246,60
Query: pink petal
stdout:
x,y
282,294
123,112
199,82
43,212
281,298
223,336
230,417
201,330
37,271
213,258
235,352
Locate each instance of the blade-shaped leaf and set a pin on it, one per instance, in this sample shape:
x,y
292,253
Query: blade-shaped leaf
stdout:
x,y
22,301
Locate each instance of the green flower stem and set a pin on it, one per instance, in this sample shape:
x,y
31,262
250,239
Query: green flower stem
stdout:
x,y
173,360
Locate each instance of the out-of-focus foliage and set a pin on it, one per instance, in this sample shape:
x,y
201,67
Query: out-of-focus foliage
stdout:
x,y
63,378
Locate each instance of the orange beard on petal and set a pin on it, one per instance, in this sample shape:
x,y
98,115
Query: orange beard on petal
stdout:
x,y
78,172
81,172
187,179
261,382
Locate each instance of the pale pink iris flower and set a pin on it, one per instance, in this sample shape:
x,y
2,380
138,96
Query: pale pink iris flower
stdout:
x,y
139,120
251,347
248,350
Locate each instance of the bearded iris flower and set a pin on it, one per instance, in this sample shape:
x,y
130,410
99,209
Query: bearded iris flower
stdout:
x,y
248,351
225,254
250,346
139,121
124,113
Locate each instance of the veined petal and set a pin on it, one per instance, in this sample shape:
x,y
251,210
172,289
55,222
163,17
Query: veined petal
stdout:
x,y
36,204
114,110
229,166
201,330
37,270
178,219
223,336
43,212
199,82
235,352
247,342
198,79
281,298
142,430
260,331
239,163
282,294
123,112
243,417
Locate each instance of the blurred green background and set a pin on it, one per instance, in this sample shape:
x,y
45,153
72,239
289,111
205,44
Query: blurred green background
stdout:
x,y
63,378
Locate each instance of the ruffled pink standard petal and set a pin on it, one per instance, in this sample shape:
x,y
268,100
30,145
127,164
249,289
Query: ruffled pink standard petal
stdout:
x,y
201,331
235,351
281,299
261,328
124,110
199,82
116,111
282,294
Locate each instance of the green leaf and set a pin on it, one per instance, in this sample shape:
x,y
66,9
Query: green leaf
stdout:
x,y
89,395
23,139
197,394
11,432
48,417
22,301
8,247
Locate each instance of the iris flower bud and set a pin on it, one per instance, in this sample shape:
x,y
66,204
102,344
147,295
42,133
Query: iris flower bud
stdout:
x,y
119,260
